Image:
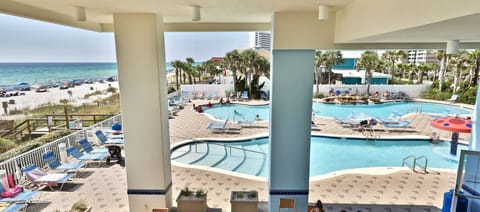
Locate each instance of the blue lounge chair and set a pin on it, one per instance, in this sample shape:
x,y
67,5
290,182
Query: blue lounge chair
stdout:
x,y
104,140
245,95
17,203
217,126
52,161
186,97
402,124
89,149
40,178
73,151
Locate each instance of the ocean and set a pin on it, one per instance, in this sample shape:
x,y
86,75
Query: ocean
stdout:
x,y
12,74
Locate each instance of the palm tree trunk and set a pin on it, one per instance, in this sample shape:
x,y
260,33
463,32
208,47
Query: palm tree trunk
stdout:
x,y
441,74
176,78
317,77
475,73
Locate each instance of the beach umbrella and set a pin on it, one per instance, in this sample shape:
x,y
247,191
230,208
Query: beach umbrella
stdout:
x,y
455,125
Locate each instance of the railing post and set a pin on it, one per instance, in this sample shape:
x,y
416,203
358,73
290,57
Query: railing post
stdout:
x,y
28,128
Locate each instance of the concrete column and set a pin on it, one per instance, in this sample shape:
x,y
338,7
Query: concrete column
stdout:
x,y
290,125
291,75
143,92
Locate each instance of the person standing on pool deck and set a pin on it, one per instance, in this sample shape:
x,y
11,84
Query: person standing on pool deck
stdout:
x,y
318,207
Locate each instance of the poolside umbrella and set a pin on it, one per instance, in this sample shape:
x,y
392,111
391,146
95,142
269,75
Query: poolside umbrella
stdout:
x,y
455,125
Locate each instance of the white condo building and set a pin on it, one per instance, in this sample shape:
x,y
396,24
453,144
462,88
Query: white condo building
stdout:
x,y
421,56
260,40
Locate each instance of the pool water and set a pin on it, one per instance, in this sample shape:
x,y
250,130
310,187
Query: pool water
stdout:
x,y
248,112
327,154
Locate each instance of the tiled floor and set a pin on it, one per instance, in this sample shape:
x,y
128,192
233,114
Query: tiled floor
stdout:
x,y
384,189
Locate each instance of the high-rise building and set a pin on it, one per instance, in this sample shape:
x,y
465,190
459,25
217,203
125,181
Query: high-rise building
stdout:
x,y
421,56
260,40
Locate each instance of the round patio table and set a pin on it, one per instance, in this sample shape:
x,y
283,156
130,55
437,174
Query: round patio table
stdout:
x,y
455,125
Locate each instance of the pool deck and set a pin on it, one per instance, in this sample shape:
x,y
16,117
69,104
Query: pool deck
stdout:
x,y
380,189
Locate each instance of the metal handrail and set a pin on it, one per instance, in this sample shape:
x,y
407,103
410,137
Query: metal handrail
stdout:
x,y
248,150
406,158
425,164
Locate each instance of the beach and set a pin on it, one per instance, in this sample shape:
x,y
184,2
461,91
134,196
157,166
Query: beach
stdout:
x,y
32,99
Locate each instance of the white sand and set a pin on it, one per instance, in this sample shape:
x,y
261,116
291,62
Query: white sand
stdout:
x,y
33,99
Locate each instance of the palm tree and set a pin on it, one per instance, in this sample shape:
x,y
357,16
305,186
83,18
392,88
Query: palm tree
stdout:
x,y
190,68
232,62
422,68
475,56
392,57
442,57
177,64
370,62
249,59
459,62
330,59
318,70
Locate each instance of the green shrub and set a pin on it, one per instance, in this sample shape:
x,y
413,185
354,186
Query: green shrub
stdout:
x,y
27,146
318,95
92,94
111,90
171,89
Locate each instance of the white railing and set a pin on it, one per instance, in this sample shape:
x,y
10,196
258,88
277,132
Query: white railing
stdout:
x,y
207,89
34,156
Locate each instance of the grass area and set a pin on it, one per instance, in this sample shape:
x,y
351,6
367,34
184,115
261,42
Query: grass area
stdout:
x,y
10,148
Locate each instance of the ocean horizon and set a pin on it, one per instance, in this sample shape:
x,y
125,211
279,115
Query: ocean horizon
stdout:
x,y
14,73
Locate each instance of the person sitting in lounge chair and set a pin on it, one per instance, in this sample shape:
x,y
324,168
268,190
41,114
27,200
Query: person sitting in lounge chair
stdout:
x,y
221,101
227,101
367,123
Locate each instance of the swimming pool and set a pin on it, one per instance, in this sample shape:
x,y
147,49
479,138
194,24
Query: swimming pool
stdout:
x,y
328,154
248,112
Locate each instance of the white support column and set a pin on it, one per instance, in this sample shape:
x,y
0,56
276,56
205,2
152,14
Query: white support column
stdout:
x,y
291,76
142,77
290,124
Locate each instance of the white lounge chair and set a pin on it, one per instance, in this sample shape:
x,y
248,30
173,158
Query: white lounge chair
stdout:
x,y
217,126
453,98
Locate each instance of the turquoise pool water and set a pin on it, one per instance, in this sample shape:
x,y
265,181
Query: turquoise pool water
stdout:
x,y
247,112
327,154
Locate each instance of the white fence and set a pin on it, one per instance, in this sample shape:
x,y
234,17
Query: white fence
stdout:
x,y
207,89
411,90
34,156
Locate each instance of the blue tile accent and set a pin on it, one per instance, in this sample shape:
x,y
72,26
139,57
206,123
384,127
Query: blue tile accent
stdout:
x,y
150,191
289,192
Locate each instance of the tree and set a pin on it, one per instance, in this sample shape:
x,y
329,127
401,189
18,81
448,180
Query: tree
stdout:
x,y
177,64
393,57
232,62
330,59
370,62
475,56
422,68
318,70
458,62
442,57
189,69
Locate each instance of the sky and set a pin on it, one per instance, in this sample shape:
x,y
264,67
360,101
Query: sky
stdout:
x,y
26,40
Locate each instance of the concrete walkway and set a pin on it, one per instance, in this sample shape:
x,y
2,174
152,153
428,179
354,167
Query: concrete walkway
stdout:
x,y
380,189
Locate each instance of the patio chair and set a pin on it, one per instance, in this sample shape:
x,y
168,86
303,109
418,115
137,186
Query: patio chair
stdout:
x,y
17,203
104,140
52,161
40,178
245,95
186,97
402,124
73,151
217,126
453,98
89,149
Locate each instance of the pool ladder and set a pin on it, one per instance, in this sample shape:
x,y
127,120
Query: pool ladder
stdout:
x,y
421,167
